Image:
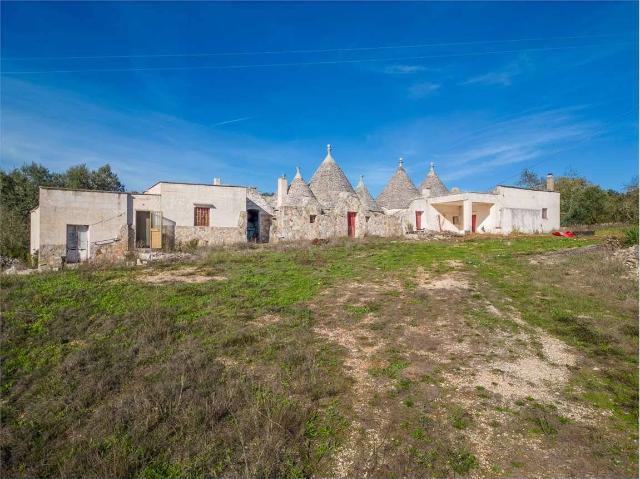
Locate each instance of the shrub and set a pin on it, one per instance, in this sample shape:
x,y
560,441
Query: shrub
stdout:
x,y
631,236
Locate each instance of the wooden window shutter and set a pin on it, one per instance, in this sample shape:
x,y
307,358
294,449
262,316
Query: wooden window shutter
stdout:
x,y
201,216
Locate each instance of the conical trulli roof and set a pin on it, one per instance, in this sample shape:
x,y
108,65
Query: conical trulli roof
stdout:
x,y
365,197
399,191
433,182
299,193
329,181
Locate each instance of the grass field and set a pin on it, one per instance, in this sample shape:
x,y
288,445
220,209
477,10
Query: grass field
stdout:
x,y
485,358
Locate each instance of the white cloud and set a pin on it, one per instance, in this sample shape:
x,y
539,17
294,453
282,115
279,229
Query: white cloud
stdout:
x,y
404,69
471,148
518,140
423,89
503,76
492,78
59,129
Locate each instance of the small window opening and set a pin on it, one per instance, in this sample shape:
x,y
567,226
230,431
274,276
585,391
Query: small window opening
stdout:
x,y
200,216
544,213
366,218
312,218
455,220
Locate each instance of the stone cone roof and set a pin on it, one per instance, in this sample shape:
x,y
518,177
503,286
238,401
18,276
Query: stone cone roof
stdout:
x,y
365,197
399,191
328,181
433,182
299,193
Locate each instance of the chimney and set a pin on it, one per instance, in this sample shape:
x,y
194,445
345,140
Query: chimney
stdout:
x,y
282,191
426,192
216,181
550,185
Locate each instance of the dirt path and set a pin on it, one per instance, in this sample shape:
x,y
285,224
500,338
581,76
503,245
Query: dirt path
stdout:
x,y
444,381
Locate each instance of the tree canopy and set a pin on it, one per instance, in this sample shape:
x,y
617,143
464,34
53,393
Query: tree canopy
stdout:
x,y
583,202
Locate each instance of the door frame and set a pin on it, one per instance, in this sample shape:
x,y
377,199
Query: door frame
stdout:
x,y
351,223
154,235
79,256
256,236
474,223
419,219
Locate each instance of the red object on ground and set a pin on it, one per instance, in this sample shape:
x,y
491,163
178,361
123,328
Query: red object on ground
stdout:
x,y
566,234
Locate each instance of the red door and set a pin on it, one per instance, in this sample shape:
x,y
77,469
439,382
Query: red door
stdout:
x,y
351,223
474,222
418,220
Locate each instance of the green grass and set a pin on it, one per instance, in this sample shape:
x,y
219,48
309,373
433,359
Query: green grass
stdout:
x,y
107,376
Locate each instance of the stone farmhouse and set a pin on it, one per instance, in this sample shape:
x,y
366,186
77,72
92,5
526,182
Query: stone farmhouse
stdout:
x,y
70,226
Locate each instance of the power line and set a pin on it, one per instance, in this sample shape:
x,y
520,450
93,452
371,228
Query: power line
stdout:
x,y
322,50
325,62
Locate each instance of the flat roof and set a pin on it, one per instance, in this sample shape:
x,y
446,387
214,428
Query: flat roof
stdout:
x,y
86,190
195,184
528,189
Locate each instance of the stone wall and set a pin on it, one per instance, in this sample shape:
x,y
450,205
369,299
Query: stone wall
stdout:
x,y
116,250
383,225
50,256
212,235
293,223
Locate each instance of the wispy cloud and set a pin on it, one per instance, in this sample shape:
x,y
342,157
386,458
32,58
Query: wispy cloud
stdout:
x,y
142,147
518,140
473,149
404,69
423,89
232,121
492,78
503,76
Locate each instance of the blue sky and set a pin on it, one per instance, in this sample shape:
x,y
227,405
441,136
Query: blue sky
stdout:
x,y
191,91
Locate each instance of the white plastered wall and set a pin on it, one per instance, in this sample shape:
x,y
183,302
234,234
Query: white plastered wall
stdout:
x,y
34,233
105,213
521,210
179,200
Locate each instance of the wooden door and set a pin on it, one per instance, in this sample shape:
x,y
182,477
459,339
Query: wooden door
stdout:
x,y
351,224
77,243
156,229
418,220
474,222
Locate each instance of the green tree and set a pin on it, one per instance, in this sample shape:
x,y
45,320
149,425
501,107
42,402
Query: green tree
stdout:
x,y
582,202
529,179
105,179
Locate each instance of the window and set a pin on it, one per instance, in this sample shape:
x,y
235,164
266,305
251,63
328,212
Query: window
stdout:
x,y
544,213
455,220
312,218
201,216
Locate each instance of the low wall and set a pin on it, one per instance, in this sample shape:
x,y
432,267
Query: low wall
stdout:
x,y
212,235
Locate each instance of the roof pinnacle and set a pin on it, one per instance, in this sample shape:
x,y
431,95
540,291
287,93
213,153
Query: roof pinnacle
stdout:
x,y
329,157
400,162
298,174
431,167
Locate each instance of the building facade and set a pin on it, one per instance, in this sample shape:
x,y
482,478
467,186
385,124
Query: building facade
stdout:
x,y
71,226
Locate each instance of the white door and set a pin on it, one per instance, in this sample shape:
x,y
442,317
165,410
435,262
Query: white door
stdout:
x,y
77,243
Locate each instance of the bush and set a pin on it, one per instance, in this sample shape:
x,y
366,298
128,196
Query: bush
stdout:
x,y
631,236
